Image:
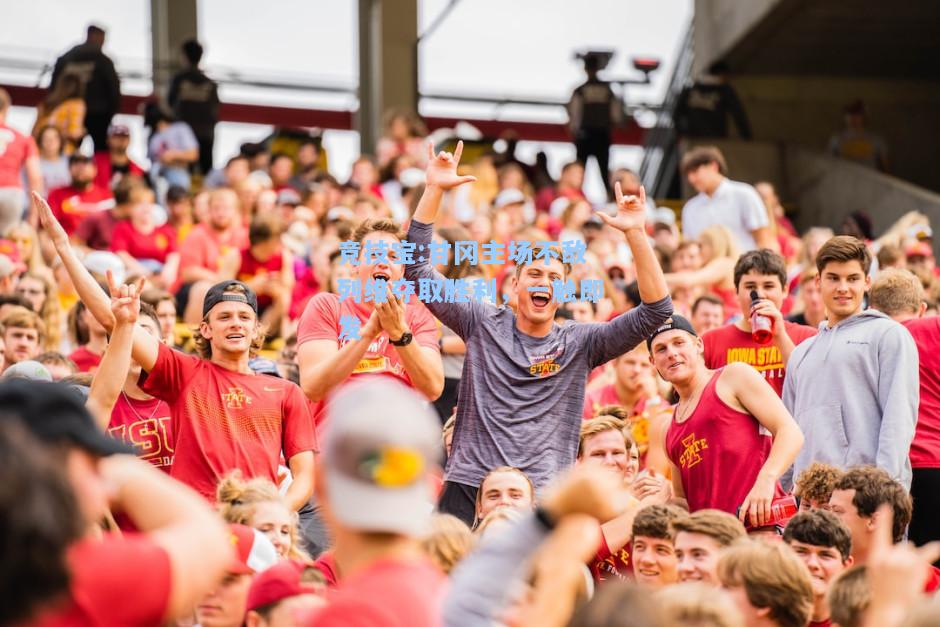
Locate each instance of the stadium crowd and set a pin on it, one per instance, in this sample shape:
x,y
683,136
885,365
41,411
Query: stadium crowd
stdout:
x,y
738,424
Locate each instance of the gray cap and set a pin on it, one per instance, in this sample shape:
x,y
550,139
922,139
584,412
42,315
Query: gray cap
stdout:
x,y
381,443
28,369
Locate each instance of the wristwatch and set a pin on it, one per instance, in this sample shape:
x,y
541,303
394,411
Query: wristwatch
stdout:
x,y
404,340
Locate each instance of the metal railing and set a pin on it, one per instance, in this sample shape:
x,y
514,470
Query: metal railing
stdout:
x,y
661,154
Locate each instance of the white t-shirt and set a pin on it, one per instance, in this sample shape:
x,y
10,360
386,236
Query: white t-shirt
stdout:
x,y
735,205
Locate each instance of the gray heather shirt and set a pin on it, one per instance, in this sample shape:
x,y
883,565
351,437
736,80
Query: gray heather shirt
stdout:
x,y
521,397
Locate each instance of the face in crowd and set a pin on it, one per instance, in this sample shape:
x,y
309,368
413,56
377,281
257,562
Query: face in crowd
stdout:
x,y
611,449
504,489
534,293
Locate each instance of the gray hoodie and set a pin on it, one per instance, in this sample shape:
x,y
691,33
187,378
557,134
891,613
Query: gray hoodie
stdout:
x,y
854,391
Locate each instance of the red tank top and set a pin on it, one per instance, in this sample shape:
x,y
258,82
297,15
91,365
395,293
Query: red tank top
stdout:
x,y
719,452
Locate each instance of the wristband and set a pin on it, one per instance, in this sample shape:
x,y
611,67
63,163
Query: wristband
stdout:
x,y
546,519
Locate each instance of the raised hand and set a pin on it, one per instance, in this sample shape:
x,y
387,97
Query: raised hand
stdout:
x,y
631,211
125,299
442,169
392,315
48,220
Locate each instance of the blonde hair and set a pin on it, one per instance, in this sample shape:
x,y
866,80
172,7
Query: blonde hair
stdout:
x,y
720,239
849,595
698,605
607,418
449,542
895,291
23,318
34,261
51,312
238,499
772,576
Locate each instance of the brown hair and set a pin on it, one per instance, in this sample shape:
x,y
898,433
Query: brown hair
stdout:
x,y
449,542
5,101
762,261
817,481
772,576
51,312
843,248
22,318
707,298
454,234
608,418
697,604
263,228
204,346
703,155
656,521
722,527
873,487
888,255
848,596
620,604
808,274
55,358
895,291
238,498
382,225
819,528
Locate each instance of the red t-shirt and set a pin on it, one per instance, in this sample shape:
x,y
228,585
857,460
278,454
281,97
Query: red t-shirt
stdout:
x,y
97,230
933,580
728,344
116,581
146,425
15,149
223,420
925,449
718,451
607,566
104,177
251,267
389,593
203,246
321,321
826,622
71,205
156,244
86,360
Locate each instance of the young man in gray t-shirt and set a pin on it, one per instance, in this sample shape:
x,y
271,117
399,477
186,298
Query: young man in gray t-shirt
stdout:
x,y
522,390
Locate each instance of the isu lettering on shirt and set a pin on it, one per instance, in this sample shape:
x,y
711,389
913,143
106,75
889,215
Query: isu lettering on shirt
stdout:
x,y
718,451
146,425
225,420
610,565
729,344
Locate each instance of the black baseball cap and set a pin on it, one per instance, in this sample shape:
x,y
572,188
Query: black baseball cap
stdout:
x,y
675,322
217,294
54,413
77,157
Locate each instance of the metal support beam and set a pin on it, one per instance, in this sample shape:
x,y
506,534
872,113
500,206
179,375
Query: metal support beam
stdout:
x,y
388,65
172,22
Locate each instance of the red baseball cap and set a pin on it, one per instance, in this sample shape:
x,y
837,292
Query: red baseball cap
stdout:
x,y
254,553
281,581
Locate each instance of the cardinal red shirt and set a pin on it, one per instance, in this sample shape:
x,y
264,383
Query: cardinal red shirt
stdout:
x,y
718,452
390,593
728,344
117,580
146,425
15,149
925,449
156,244
611,566
251,267
321,321
86,360
71,205
106,171
225,420
203,246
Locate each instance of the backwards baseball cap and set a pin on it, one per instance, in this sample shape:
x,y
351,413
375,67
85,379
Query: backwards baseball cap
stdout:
x,y
508,197
55,414
254,553
217,294
675,322
376,476
281,581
